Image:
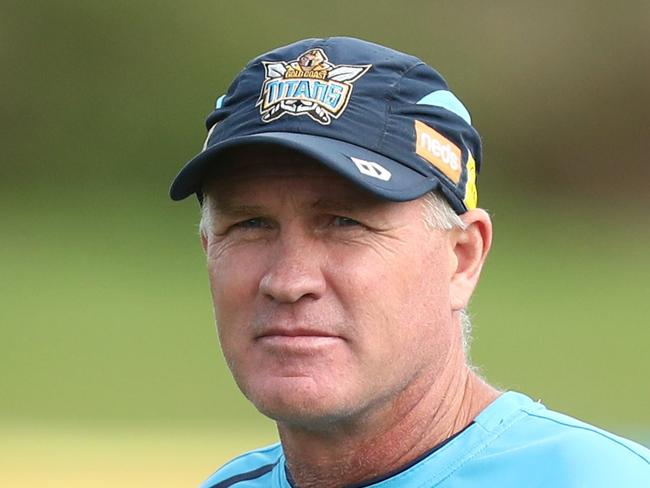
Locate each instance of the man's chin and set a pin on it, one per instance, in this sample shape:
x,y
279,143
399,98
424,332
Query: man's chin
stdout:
x,y
312,420
300,408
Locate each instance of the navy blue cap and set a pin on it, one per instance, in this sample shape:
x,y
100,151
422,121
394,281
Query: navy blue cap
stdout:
x,y
382,119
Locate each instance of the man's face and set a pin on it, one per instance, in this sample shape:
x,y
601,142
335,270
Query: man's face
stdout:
x,y
331,304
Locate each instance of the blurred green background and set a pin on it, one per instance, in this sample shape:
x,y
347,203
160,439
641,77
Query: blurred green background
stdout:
x,y
110,367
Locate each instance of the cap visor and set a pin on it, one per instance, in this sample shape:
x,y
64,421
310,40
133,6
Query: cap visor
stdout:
x,y
372,171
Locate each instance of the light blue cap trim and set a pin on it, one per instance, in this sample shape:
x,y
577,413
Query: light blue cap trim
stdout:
x,y
446,100
219,102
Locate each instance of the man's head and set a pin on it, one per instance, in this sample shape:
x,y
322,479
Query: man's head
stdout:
x,y
330,301
335,296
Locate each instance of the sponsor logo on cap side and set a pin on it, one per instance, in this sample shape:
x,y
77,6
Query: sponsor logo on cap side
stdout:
x,y
372,169
438,150
309,85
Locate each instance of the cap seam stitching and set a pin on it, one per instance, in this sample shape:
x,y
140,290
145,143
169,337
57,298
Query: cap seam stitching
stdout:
x,y
387,97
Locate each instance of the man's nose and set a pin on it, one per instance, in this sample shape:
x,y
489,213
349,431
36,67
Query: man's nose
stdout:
x,y
294,273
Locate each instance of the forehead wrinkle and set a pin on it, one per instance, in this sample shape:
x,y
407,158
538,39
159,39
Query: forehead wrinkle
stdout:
x,y
235,210
231,203
333,204
234,190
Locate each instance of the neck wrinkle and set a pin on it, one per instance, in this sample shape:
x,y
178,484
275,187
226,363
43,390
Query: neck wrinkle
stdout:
x,y
340,458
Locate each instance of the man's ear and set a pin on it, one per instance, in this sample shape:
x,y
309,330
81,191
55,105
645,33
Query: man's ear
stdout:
x,y
470,247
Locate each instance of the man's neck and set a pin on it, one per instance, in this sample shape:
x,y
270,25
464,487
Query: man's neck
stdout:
x,y
351,454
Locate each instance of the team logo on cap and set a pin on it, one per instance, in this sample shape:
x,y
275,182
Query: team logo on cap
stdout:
x,y
309,85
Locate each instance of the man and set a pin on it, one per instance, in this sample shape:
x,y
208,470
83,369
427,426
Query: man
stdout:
x,y
339,219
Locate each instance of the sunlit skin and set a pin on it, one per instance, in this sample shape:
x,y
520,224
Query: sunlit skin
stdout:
x,y
338,314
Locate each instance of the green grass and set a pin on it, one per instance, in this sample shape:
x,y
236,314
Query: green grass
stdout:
x,y
563,312
106,318
70,457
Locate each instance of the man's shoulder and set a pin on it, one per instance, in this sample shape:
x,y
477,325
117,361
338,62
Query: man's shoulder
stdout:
x,y
575,433
575,438
255,467
540,442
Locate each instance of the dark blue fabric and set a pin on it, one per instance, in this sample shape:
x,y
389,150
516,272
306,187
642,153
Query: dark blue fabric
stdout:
x,y
250,475
378,120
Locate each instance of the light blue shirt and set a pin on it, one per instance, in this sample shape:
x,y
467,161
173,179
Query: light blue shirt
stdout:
x,y
514,442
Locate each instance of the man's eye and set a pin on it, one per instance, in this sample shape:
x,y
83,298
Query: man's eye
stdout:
x,y
345,222
255,223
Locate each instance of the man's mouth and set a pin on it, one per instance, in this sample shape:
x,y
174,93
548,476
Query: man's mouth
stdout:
x,y
295,332
297,337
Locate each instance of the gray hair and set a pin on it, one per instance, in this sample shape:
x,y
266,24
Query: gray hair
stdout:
x,y
437,215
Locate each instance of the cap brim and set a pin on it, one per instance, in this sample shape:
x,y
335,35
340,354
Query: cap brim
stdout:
x,y
391,180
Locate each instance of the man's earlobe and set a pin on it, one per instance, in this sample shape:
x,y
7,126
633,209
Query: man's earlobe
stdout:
x,y
471,247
